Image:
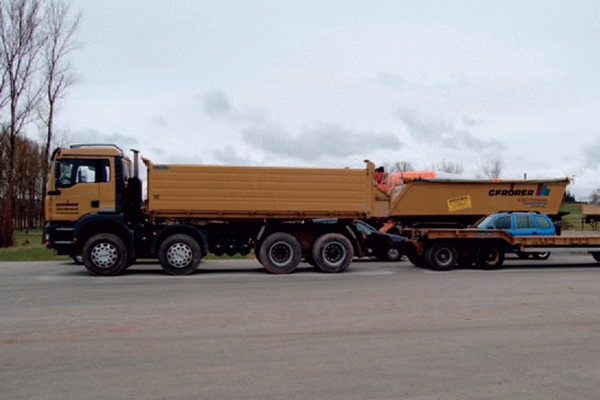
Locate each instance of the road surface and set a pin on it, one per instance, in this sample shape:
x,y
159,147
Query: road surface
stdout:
x,y
231,331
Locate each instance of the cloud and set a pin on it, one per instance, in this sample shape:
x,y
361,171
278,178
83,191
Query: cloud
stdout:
x,y
324,141
591,153
216,103
228,155
158,122
437,131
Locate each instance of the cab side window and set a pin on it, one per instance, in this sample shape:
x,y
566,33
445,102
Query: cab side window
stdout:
x,y
73,172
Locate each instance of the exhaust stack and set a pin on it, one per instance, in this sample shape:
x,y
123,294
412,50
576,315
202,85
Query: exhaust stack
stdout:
x,y
136,162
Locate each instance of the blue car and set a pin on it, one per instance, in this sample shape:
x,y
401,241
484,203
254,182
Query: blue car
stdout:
x,y
520,224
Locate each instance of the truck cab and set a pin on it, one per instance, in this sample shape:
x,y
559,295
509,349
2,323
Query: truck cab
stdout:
x,y
86,183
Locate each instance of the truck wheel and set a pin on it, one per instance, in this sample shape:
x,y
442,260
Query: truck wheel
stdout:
x,y
280,253
332,252
179,254
489,257
542,256
442,257
104,254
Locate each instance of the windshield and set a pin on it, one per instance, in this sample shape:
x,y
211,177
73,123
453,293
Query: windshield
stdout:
x,y
365,228
71,172
482,224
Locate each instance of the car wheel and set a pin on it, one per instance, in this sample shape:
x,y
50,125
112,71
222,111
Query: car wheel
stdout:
x,y
541,256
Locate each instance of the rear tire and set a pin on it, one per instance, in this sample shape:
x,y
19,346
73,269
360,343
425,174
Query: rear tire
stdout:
x,y
489,257
179,254
280,253
104,254
596,256
332,252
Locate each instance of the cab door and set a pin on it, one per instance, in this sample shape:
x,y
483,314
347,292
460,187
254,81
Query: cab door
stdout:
x,y
79,187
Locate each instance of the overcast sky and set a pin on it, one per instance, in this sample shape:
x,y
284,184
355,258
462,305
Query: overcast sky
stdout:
x,y
332,83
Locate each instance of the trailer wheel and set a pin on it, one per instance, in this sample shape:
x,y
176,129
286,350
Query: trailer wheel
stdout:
x,y
179,254
280,253
332,252
441,257
104,254
490,257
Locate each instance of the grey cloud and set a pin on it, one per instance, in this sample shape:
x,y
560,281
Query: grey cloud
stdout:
x,y
229,156
420,129
216,103
324,141
591,154
158,122
436,130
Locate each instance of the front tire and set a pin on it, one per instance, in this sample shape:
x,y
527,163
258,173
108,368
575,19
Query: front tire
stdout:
x,y
332,253
179,254
104,254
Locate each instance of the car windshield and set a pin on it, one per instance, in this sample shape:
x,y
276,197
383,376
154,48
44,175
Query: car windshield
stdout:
x,y
365,228
482,224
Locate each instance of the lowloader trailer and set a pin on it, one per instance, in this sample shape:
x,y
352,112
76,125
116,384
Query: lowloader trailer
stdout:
x,y
95,209
444,249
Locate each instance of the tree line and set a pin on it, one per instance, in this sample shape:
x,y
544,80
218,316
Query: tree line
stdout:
x,y
36,39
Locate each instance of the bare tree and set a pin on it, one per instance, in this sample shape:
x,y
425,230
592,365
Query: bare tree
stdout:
x,y
449,168
595,197
60,29
401,166
493,170
21,42
36,37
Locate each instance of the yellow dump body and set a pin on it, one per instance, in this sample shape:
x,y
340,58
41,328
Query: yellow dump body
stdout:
x,y
435,197
207,191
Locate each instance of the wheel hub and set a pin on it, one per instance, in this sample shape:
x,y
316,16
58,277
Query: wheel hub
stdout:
x,y
280,253
334,254
179,255
104,255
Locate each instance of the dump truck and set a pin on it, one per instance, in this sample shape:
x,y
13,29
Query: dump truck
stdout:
x,y
95,209
443,249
